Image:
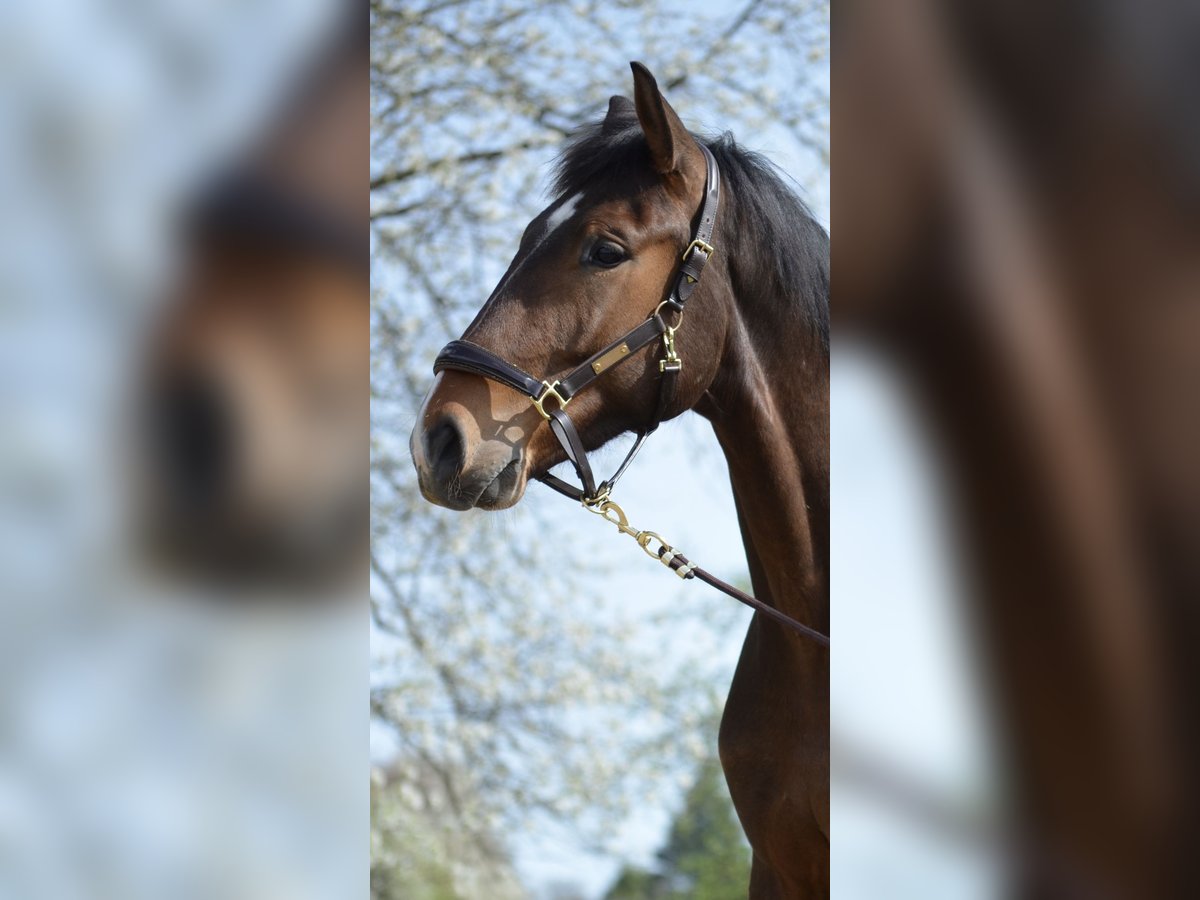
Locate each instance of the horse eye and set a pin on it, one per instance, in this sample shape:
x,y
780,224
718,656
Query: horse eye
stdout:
x,y
607,255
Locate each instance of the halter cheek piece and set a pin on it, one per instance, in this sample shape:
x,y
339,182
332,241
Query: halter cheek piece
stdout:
x,y
551,398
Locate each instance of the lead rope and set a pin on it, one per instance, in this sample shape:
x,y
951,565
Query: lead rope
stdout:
x,y
683,567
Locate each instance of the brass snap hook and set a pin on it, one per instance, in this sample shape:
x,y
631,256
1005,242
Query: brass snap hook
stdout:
x,y
614,515
672,360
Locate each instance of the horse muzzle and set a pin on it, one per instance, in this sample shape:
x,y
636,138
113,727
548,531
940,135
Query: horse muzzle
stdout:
x,y
458,469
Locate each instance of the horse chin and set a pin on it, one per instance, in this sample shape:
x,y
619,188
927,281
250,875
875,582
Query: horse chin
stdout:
x,y
493,488
505,490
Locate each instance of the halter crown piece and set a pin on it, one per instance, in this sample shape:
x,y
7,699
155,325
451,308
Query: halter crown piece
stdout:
x,y
465,356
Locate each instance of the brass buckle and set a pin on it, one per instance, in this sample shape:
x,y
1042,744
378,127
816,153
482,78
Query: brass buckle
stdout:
x,y
698,244
550,391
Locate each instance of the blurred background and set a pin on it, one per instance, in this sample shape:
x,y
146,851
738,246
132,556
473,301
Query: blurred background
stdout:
x,y
544,713
177,716
1014,436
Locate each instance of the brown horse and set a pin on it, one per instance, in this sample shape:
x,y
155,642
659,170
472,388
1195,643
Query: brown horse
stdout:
x,y
255,407
755,364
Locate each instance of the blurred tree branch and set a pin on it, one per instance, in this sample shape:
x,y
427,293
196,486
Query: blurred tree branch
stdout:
x,y
393,176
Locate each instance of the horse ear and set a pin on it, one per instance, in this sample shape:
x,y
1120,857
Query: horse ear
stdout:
x,y
621,114
669,140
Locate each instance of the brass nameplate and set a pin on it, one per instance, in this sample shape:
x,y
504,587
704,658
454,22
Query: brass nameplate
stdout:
x,y
610,357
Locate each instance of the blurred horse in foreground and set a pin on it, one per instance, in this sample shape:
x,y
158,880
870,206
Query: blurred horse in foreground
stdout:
x,y
1018,199
256,400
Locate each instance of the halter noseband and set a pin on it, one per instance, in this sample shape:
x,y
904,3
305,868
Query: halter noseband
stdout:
x,y
465,356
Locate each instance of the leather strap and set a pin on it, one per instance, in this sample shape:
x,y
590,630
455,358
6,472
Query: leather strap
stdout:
x,y
571,446
563,487
564,429
666,395
700,250
678,561
467,357
584,374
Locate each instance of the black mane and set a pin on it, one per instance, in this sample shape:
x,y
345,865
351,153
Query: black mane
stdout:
x,y
778,252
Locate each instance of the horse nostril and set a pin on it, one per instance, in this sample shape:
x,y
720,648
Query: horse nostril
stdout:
x,y
445,449
192,440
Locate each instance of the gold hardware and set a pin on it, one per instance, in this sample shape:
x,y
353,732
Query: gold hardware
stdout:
x,y
672,361
591,502
550,391
614,515
609,358
698,244
644,539
658,309
617,518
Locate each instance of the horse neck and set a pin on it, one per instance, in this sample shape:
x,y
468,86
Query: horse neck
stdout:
x,y
769,407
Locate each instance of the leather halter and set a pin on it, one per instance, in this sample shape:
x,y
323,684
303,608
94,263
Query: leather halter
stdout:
x,y
465,356
468,357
